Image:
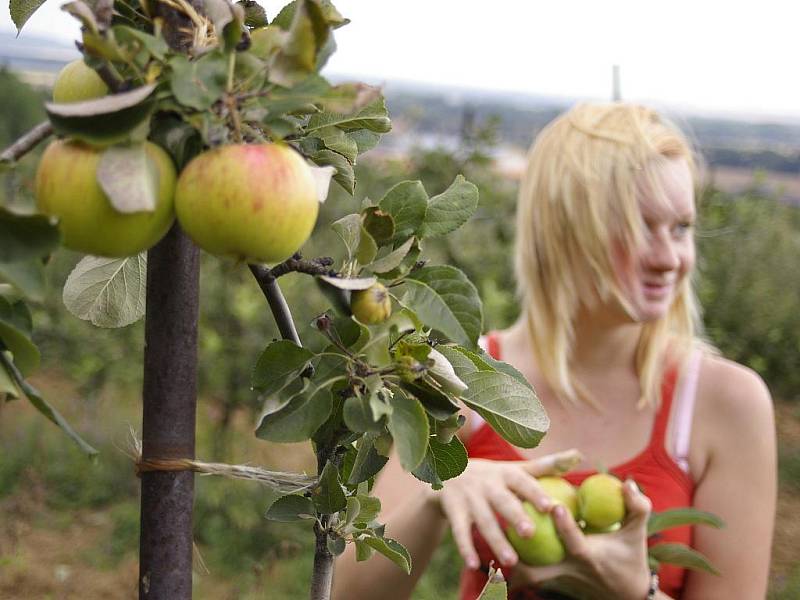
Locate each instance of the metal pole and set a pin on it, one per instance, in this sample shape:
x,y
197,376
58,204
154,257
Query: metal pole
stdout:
x,y
168,423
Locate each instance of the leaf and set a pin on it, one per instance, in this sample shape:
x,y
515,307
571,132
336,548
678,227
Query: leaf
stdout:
x,y
365,139
280,361
510,408
228,20
406,202
392,550
681,516
683,556
451,209
352,283
297,58
291,508
9,390
345,176
129,177
348,228
299,419
254,13
393,259
466,361
178,138
103,121
22,10
442,462
329,496
363,551
373,117
200,83
409,428
379,224
108,292
370,507
367,248
135,40
26,237
444,299
15,336
349,98
336,544
322,180
368,462
495,588
358,416
335,139
28,277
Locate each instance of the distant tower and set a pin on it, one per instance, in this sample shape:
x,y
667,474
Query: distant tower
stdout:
x,y
616,95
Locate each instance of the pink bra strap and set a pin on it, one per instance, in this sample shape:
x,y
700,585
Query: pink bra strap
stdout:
x,y
684,408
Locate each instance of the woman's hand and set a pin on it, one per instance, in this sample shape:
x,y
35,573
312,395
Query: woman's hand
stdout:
x,y
488,488
598,566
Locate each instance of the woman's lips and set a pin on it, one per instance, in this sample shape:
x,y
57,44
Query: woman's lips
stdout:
x,y
656,290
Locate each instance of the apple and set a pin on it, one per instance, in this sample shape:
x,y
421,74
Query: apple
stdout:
x,y
77,82
253,202
600,502
544,547
561,491
67,188
372,305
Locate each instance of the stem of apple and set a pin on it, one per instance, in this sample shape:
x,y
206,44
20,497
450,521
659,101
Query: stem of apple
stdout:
x,y
26,143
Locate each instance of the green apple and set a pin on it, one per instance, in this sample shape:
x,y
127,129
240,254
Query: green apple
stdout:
x,y
372,305
600,501
561,491
253,202
77,82
544,547
67,188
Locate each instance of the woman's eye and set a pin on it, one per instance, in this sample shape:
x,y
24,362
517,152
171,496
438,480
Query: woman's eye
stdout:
x,y
683,228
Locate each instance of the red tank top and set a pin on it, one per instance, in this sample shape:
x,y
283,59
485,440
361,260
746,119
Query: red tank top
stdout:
x,y
653,469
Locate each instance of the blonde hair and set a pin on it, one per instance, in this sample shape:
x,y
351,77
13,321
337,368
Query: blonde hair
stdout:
x,y
579,197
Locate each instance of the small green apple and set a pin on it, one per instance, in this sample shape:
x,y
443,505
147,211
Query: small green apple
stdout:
x,y
600,501
67,188
77,82
544,547
372,305
254,202
561,491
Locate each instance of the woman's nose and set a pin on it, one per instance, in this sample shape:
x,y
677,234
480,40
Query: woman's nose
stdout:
x,y
662,252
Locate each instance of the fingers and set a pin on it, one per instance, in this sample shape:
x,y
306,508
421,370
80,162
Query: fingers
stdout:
x,y
553,464
487,524
527,488
637,504
573,538
461,527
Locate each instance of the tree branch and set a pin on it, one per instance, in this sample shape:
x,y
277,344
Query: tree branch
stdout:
x,y
27,142
296,264
277,303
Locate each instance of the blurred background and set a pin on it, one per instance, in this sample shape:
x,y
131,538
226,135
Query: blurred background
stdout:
x,y
466,95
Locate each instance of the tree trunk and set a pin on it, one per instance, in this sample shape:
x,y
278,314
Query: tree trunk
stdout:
x,y
168,424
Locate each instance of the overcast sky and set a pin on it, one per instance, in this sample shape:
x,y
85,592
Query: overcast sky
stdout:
x,y
720,56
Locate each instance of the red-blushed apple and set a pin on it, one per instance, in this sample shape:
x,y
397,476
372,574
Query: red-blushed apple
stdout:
x,y
77,82
67,188
251,202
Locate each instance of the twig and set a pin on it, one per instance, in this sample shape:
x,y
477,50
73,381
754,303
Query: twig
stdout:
x,y
277,303
296,264
27,142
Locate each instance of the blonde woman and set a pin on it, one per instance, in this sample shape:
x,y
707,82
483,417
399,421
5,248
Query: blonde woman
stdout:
x,y
609,336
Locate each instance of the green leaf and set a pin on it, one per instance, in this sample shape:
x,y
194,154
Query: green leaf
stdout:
x,y
108,292
447,301
335,139
348,228
297,58
510,408
336,543
291,508
367,248
254,13
9,390
345,176
392,550
370,507
393,259
103,121
368,462
299,419
329,496
134,40
451,209
129,177
409,428
280,362
200,83
15,336
683,556
681,516
26,237
373,117
365,139
438,404
406,202
495,588
379,224
22,10
182,141
28,277
363,551
442,462
466,361
357,415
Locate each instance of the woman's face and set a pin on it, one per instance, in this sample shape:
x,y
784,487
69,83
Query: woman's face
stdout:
x,y
651,275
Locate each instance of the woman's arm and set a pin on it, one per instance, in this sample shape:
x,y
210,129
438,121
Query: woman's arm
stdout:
x,y
736,429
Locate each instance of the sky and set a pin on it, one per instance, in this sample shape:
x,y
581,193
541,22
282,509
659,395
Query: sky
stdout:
x,y
726,58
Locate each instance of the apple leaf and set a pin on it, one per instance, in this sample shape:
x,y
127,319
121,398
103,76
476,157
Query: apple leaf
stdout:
x,y
363,551
470,361
199,83
322,180
365,139
9,390
129,177
329,496
367,461
254,14
22,10
358,416
348,228
406,202
410,430
291,508
26,237
442,462
299,418
367,248
393,259
308,33
27,277
373,117
336,140
510,408
681,516
349,98
281,361
103,121
379,224
392,550
495,588
345,176
451,209
15,336
108,292
444,299
360,283
681,555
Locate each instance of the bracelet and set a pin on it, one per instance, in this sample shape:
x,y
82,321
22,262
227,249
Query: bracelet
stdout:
x,y
653,589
